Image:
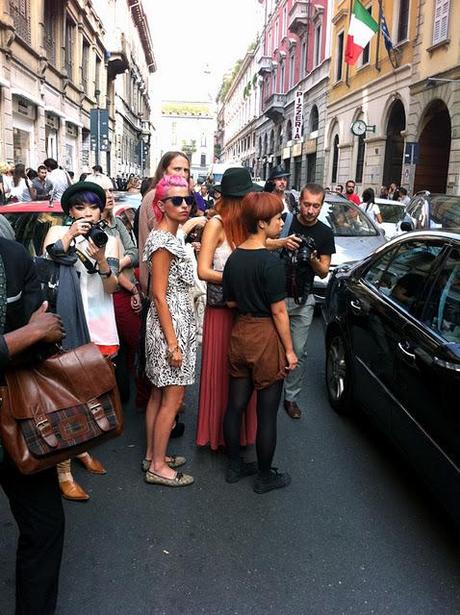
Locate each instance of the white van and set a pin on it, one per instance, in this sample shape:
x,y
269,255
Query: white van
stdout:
x,y
217,170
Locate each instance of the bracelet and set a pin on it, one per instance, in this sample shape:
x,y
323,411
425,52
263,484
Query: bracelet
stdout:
x,y
170,353
105,274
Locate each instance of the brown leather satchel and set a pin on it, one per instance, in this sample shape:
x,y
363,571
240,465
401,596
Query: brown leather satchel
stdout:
x,y
64,406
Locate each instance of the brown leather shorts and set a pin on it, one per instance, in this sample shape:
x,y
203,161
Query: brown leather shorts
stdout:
x,y
256,351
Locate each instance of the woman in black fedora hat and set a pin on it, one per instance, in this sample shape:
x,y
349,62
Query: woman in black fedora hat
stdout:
x,y
222,234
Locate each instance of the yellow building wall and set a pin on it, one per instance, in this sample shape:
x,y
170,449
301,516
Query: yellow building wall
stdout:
x,y
359,76
443,57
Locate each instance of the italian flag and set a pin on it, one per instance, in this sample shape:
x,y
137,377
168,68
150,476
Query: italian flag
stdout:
x,y
360,31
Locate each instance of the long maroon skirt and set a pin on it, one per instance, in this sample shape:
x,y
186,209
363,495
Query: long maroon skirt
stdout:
x,y
217,328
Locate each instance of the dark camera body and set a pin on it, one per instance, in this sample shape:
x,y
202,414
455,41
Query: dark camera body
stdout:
x,y
303,253
299,273
97,235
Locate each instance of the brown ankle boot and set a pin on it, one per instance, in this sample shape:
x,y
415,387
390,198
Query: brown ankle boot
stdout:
x,y
70,490
91,464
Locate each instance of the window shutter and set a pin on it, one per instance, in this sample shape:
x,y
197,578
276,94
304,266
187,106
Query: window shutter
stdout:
x,y
441,21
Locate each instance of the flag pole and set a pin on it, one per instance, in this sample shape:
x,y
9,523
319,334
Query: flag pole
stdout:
x,y
377,61
347,72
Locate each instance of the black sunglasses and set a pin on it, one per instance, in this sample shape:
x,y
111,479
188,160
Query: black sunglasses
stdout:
x,y
177,200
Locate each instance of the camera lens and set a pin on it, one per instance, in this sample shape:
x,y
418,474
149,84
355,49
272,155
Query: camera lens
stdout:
x,y
98,236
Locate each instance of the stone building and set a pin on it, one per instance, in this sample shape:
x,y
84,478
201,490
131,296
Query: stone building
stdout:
x,y
189,126
58,62
130,63
51,66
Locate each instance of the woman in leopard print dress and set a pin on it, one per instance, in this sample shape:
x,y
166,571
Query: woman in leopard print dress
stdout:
x,y
170,332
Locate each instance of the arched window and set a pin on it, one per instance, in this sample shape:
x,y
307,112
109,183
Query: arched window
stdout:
x,y
280,136
265,144
335,159
289,131
314,119
260,146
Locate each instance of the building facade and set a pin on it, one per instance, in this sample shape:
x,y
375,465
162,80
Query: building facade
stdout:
x,y
189,126
51,58
275,110
376,91
58,64
433,123
130,63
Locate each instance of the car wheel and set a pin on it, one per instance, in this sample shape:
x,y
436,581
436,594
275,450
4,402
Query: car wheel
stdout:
x,y
338,378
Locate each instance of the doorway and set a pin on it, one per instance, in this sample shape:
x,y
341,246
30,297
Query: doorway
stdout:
x,y
394,148
435,137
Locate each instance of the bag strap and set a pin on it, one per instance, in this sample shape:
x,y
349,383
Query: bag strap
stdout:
x,y
90,268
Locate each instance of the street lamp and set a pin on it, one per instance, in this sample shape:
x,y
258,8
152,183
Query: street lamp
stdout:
x,y
145,143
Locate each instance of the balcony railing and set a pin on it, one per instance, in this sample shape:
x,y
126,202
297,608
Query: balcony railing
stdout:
x,y
274,106
265,65
298,16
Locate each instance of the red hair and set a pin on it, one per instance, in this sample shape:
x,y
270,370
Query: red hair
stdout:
x,y
259,206
229,209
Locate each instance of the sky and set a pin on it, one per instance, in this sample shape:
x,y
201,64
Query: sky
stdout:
x,y
190,35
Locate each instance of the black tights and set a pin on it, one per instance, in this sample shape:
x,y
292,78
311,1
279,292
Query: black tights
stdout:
x,y
268,400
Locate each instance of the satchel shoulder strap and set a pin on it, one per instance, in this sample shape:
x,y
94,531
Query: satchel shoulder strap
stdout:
x,y
287,225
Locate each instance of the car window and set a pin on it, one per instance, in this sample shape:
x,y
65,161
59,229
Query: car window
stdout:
x,y
378,268
31,229
404,278
391,213
346,220
445,212
442,313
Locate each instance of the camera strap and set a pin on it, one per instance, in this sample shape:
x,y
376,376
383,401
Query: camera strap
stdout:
x,y
85,261
287,225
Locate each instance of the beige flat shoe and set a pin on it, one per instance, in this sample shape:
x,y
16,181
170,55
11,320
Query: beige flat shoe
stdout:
x,y
180,480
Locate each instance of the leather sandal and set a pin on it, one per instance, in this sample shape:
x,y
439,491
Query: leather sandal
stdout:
x,y
180,480
70,490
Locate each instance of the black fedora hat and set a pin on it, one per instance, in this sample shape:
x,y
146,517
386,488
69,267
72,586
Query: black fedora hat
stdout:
x,y
81,187
237,182
278,171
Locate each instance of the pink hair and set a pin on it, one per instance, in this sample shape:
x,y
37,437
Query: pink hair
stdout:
x,y
161,191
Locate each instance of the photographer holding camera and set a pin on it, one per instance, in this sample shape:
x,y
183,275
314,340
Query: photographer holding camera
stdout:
x,y
306,255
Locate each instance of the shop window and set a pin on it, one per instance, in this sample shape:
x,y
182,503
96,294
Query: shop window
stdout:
x,y
203,160
21,145
314,119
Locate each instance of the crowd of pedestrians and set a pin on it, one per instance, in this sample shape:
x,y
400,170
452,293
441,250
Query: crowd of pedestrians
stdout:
x,y
216,265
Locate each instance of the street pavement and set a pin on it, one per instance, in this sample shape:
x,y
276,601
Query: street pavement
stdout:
x,y
355,532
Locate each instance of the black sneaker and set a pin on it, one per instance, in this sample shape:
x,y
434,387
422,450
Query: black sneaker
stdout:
x,y
236,471
273,480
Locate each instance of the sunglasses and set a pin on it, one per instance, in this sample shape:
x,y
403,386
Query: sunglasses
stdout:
x,y
177,200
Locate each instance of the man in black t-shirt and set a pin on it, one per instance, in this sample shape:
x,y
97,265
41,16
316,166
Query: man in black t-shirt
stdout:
x,y
301,302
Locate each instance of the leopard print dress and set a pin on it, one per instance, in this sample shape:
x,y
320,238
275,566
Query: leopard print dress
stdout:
x,y
178,297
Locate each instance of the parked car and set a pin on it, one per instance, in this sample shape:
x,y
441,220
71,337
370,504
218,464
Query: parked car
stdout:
x,y
432,211
392,213
31,222
355,235
393,349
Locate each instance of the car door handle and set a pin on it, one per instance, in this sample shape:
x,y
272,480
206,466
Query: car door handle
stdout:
x,y
403,348
355,306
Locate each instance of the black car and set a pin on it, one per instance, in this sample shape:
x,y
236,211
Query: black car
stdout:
x,y
393,349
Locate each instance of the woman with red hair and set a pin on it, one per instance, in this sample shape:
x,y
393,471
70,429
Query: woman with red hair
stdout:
x,y
260,350
222,234
170,344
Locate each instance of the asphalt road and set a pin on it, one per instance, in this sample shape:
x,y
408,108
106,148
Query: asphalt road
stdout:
x,y
353,533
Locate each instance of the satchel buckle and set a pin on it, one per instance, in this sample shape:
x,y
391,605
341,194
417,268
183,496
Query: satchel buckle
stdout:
x,y
97,411
45,429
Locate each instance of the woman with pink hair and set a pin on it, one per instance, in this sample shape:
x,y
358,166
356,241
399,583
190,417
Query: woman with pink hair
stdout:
x,y
170,345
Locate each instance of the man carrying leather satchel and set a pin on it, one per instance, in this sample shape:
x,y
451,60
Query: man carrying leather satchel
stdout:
x,y
35,500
